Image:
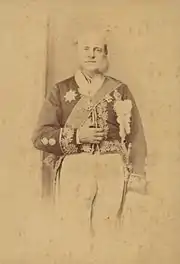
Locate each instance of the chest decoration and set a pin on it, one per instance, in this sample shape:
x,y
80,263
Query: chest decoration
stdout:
x,y
108,98
123,109
70,96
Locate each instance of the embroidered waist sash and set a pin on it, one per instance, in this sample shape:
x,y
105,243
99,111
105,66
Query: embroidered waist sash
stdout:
x,y
105,147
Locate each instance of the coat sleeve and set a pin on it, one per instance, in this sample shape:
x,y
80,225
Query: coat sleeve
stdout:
x,y
49,135
136,137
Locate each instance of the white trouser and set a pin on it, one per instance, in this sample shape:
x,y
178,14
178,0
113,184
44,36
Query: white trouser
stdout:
x,y
95,182
87,179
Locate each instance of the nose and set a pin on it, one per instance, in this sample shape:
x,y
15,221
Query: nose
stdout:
x,y
92,53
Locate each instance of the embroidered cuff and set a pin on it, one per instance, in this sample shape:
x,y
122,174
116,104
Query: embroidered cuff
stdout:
x,y
67,140
48,141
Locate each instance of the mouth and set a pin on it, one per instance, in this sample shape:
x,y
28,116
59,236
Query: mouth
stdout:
x,y
90,61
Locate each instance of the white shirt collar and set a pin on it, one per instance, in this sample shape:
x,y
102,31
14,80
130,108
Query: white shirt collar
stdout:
x,y
91,86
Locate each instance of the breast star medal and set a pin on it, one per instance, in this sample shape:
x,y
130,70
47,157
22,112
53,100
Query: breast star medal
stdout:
x,y
70,96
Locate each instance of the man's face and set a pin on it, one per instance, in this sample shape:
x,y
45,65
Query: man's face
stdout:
x,y
91,53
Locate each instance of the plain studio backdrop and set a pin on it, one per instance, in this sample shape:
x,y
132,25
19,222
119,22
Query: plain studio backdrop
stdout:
x,y
144,53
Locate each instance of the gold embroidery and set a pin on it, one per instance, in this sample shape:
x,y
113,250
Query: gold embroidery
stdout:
x,y
110,146
50,160
117,95
86,148
68,133
108,98
90,104
104,147
67,139
71,148
102,115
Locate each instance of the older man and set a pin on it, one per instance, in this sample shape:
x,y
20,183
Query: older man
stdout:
x,y
90,125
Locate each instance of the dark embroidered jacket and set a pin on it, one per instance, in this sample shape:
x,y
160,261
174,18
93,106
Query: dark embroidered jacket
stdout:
x,y
52,136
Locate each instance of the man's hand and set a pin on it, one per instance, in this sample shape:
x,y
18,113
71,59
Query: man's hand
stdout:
x,y
91,135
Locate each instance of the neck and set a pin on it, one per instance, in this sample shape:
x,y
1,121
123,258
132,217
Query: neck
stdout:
x,y
90,74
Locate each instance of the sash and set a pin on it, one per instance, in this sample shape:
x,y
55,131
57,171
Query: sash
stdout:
x,y
81,110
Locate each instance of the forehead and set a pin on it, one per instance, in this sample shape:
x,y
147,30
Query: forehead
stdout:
x,y
91,40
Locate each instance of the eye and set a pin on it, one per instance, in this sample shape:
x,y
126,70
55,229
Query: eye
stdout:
x,y
99,50
86,48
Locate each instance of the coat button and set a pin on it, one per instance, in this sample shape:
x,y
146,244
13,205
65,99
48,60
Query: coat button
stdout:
x,y
44,141
52,141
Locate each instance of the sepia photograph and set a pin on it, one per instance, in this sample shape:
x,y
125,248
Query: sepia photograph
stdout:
x,y
90,132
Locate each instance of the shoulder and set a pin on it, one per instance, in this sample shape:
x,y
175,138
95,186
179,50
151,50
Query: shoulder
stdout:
x,y
61,87
122,87
65,83
116,81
